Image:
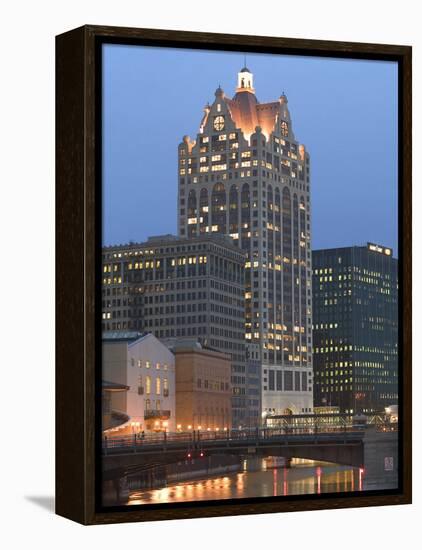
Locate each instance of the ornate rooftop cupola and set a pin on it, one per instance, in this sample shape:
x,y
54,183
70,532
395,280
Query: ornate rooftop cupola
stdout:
x,y
245,81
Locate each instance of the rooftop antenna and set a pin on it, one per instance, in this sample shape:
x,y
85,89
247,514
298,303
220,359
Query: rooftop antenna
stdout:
x,y
244,56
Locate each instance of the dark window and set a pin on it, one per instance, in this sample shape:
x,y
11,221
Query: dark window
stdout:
x,y
304,387
271,380
279,380
297,381
288,380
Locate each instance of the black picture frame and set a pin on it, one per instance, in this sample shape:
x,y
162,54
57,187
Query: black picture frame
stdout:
x,y
78,261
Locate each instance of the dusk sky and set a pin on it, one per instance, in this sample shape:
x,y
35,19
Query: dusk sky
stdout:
x,y
344,111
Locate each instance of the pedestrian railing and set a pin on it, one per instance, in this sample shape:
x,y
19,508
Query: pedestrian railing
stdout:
x,y
142,441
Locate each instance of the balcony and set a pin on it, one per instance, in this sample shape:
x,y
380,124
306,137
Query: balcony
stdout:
x,y
155,414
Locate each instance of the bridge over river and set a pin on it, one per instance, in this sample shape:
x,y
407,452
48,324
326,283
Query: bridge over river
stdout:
x,y
373,448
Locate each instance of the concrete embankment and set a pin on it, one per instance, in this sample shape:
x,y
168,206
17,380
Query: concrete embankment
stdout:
x,y
196,468
381,459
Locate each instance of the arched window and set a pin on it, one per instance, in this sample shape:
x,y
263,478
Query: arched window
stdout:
x,y
203,211
287,224
284,128
295,229
270,218
234,213
148,385
218,213
192,214
277,210
245,203
303,231
158,385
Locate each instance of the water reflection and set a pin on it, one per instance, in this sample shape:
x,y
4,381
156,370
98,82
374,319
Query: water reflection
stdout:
x,y
301,478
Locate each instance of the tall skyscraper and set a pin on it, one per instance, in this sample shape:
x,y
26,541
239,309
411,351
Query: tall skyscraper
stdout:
x,y
355,328
246,176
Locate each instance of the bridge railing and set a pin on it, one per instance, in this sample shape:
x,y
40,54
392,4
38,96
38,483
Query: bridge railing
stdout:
x,y
142,439
190,439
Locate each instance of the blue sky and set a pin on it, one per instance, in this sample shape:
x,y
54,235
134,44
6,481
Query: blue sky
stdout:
x,y
344,111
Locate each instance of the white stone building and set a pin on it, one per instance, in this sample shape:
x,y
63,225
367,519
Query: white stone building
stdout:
x,y
144,364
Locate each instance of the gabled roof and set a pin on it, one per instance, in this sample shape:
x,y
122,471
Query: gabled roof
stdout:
x,y
248,113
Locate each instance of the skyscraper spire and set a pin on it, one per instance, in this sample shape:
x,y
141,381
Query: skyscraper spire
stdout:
x,y
245,80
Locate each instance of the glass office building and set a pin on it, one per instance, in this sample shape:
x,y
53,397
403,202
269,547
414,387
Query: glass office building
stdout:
x,y
355,328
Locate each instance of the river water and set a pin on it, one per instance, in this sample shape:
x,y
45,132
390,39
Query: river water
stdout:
x,y
302,477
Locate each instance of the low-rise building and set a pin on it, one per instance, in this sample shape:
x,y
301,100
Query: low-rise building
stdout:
x,y
147,367
203,389
112,415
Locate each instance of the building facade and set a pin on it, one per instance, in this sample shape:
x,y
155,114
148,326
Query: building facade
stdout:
x,y
253,371
147,367
355,336
184,288
245,175
203,388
